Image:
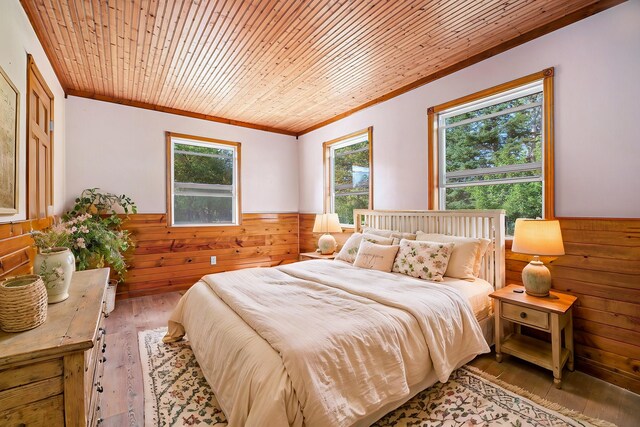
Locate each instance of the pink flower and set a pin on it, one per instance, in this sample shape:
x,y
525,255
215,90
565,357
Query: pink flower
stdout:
x,y
80,243
84,229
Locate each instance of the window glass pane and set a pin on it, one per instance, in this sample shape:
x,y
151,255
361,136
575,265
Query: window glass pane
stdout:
x,y
351,168
514,138
350,184
203,184
345,204
207,165
202,210
521,200
493,158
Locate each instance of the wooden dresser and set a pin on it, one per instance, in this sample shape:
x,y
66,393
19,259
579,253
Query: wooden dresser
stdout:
x,y
50,375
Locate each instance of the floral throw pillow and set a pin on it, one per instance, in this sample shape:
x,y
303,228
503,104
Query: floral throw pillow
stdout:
x,y
424,260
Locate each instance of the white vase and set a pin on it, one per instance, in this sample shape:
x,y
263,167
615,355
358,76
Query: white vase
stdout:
x,y
55,266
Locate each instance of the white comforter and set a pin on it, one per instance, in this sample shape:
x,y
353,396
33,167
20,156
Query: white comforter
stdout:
x,y
350,340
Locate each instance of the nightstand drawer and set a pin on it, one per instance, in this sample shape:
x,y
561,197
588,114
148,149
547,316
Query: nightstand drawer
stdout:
x,y
525,316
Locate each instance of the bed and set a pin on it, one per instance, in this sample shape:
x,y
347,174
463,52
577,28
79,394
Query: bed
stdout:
x,y
325,343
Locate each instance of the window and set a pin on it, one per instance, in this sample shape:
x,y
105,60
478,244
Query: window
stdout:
x,y
203,185
348,177
493,150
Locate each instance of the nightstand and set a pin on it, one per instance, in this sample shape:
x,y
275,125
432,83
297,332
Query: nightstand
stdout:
x,y
549,314
305,256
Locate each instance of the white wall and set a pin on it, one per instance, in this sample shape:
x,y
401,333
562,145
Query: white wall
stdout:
x,y
597,119
17,39
122,149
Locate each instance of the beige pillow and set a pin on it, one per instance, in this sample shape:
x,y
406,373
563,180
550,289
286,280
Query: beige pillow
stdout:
x,y
395,235
375,257
377,232
466,257
350,248
425,260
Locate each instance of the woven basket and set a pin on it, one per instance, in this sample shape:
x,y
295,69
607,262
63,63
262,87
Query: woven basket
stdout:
x,y
23,303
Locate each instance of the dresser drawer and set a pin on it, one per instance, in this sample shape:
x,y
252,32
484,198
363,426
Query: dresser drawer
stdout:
x,y
525,316
45,413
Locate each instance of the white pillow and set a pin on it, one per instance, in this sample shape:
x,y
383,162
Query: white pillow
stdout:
x,y
375,257
425,260
350,248
466,257
395,235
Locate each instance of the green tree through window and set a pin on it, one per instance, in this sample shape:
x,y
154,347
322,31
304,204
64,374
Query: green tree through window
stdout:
x,y
491,155
203,183
349,176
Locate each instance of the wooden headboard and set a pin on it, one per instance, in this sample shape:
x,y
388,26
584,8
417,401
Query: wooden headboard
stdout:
x,y
487,224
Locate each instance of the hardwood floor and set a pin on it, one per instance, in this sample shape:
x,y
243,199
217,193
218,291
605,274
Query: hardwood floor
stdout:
x,y
123,404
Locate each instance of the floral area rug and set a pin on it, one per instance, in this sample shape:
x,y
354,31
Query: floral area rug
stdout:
x,y
177,394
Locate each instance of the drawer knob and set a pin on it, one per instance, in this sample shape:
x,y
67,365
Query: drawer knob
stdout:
x,y
104,347
100,420
523,315
99,389
104,359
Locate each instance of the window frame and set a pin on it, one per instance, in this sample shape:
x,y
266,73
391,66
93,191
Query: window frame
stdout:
x,y
237,221
328,171
434,159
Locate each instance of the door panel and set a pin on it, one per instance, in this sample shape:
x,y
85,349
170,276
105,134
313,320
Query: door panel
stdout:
x,y
40,144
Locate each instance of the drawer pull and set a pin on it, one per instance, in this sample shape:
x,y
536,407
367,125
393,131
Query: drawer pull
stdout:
x,y
523,315
100,420
104,347
99,389
104,359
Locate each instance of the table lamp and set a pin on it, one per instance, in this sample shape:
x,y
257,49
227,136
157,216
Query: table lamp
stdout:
x,y
327,223
537,237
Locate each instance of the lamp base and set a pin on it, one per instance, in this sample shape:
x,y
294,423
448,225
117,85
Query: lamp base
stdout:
x,y
327,244
536,278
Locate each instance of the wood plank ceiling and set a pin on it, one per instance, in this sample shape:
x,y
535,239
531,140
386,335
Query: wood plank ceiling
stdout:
x,y
281,65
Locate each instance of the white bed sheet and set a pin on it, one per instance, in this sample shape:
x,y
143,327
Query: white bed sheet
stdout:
x,y
477,293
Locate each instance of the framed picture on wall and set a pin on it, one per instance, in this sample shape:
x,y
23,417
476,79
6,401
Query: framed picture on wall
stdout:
x,y
9,122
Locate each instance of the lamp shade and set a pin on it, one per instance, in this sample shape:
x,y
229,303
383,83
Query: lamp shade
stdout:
x,y
537,237
327,223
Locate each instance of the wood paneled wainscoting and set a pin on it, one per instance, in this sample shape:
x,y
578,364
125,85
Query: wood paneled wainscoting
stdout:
x,y
602,268
16,246
174,258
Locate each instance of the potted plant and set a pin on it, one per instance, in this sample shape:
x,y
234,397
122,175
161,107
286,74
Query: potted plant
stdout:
x,y
92,232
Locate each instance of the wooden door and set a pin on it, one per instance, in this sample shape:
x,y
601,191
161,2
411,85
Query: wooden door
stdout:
x,y
39,143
